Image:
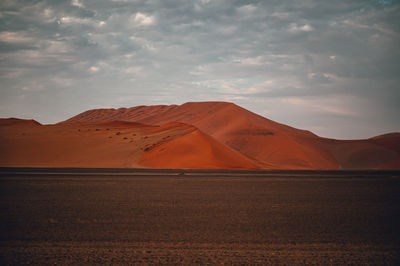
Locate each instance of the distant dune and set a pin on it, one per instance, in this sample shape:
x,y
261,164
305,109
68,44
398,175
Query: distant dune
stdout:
x,y
17,121
203,135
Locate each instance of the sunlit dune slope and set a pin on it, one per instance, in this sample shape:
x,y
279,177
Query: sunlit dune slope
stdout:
x,y
264,140
113,144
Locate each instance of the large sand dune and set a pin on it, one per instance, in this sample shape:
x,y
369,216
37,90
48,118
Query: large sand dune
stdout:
x,y
205,135
113,144
276,145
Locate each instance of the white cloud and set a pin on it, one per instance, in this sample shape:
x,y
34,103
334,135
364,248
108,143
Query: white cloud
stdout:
x,y
15,37
77,3
342,105
76,20
319,76
48,13
94,69
247,9
306,28
294,27
71,20
142,19
252,61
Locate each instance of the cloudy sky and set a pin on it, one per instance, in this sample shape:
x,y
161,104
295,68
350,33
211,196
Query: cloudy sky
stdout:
x,y
332,67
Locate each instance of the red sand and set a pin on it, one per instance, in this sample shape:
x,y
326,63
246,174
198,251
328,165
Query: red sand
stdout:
x,y
278,145
114,144
200,135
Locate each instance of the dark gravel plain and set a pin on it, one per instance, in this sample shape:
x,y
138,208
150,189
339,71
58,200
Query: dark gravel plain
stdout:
x,y
116,216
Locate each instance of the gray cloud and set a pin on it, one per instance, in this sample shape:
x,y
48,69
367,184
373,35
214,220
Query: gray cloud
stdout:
x,y
331,67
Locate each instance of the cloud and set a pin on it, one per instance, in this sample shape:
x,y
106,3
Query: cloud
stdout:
x,y
94,69
339,105
15,37
274,57
143,19
77,3
296,28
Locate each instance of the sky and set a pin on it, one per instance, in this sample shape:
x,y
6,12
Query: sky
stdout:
x,y
331,67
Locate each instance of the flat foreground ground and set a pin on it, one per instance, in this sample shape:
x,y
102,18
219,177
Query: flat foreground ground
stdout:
x,y
104,216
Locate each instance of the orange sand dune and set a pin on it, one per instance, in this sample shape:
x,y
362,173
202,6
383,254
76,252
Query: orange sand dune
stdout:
x,y
17,122
264,140
113,144
196,150
246,132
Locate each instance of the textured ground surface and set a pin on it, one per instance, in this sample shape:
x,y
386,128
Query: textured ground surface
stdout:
x,y
215,218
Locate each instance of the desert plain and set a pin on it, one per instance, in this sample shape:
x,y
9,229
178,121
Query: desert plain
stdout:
x,y
121,216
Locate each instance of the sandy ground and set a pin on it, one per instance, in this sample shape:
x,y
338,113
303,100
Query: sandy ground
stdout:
x,y
114,144
100,253
199,218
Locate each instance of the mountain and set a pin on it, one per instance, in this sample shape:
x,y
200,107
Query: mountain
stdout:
x,y
202,135
265,141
